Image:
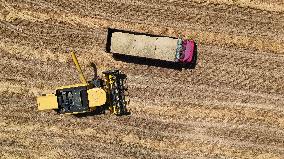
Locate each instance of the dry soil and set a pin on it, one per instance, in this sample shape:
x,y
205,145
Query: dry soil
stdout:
x,y
230,106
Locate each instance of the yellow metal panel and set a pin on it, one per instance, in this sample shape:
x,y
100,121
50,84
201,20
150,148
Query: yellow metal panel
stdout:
x,y
72,86
46,102
96,97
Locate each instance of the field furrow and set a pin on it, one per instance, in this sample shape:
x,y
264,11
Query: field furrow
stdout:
x,y
229,106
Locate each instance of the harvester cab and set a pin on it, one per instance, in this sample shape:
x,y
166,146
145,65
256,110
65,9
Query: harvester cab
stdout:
x,y
107,93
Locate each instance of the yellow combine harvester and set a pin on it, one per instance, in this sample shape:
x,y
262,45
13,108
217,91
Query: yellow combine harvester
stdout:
x,y
107,93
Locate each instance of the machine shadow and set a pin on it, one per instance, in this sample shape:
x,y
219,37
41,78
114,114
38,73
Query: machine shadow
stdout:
x,y
98,111
95,69
147,61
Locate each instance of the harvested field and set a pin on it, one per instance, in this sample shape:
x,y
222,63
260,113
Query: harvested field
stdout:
x,y
230,106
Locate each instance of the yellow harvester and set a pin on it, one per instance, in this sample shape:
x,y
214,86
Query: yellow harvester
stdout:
x,y
107,93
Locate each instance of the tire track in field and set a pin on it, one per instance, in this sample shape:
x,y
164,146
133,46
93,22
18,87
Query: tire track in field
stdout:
x,y
210,97
138,123
143,129
230,106
202,36
55,41
224,69
177,9
185,111
106,128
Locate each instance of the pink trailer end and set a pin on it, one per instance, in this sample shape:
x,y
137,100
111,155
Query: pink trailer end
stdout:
x,y
188,52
